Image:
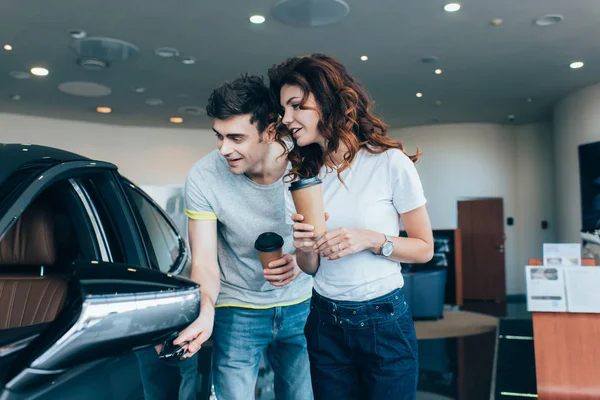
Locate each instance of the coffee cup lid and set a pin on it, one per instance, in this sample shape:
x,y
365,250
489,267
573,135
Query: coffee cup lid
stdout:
x,y
268,241
304,183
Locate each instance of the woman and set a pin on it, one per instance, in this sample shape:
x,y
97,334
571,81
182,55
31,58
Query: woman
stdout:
x,y
361,338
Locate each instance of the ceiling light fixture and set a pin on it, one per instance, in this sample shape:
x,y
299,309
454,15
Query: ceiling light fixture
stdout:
x,y
154,102
257,19
419,94
39,71
438,71
104,110
15,96
576,64
138,89
188,60
166,52
452,7
7,47
364,58
19,75
191,110
548,20
176,120
429,59
496,22
77,34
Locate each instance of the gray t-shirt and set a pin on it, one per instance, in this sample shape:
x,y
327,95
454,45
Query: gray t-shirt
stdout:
x,y
243,210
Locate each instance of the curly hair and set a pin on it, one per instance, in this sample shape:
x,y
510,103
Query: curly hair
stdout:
x,y
345,114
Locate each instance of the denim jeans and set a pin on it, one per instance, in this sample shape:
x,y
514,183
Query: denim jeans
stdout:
x,y
362,350
165,382
240,336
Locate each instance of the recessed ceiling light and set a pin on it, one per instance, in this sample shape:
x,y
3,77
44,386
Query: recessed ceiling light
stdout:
x,y
154,102
84,89
429,59
77,34
257,19
104,110
19,75
138,89
438,71
576,64
529,99
191,110
364,58
39,71
452,7
176,120
310,13
438,103
15,96
548,20
188,60
419,94
166,52
7,47
496,21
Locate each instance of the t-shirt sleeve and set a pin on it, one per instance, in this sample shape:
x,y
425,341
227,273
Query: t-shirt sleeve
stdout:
x,y
197,206
290,208
407,190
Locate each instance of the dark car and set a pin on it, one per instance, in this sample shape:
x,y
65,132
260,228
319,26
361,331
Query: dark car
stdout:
x,y
88,266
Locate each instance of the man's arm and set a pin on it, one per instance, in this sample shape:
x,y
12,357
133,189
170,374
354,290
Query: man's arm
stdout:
x,y
205,271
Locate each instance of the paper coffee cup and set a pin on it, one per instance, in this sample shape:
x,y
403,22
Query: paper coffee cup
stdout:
x,y
308,199
270,247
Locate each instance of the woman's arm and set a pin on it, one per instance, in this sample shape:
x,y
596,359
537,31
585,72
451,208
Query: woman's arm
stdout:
x,y
416,248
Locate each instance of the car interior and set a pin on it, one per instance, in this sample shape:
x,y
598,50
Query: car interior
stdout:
x,y
35,258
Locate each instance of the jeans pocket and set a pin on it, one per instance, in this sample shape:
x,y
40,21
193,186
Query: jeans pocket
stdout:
x,y
405,329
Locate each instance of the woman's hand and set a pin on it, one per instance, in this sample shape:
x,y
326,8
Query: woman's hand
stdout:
x,y
345,241
304,234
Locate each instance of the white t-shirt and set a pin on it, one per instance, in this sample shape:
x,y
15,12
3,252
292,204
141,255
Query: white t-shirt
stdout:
x,y
380,187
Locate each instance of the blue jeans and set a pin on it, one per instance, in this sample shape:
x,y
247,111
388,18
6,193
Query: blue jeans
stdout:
x,y
239,337
362,350
165,382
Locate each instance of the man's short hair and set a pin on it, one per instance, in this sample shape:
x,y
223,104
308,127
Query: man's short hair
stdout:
x,y
247,94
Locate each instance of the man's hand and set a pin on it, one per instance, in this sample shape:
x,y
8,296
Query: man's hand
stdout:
x,y
283,271
196,334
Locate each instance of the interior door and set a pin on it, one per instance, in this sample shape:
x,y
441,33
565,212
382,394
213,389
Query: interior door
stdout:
x,y
482,226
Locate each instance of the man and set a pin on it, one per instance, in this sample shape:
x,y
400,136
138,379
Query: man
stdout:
x,y
232,196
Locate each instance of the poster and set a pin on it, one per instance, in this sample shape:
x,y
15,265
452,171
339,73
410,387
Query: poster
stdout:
x,y
545,289
562,254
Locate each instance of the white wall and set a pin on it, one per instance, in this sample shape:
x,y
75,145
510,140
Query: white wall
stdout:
x,y
460,161
463,161
144,155
576,121
535,195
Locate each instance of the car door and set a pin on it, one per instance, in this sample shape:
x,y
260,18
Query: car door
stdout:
x,y
79,283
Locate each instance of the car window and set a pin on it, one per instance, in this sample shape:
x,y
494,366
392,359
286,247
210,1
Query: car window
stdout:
x,y
36,257
165,249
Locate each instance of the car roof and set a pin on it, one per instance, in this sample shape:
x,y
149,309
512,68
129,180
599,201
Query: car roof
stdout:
x,y
14,157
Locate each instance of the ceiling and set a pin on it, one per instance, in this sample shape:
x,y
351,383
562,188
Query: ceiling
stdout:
x,y
488,71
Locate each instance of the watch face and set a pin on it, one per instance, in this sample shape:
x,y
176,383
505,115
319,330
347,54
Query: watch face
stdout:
x,y
387,249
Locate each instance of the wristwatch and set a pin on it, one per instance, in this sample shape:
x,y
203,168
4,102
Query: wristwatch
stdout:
x,y
387,248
